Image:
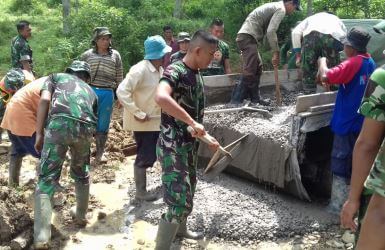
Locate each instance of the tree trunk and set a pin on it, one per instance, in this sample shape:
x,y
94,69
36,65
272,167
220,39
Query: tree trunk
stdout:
x,y
366,9
66,13
178,9
76,6
309,7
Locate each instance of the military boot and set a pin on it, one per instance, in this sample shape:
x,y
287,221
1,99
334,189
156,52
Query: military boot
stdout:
x,y
166,234
100,141
185,233
15,162
42,221
79,212
140,184
339,194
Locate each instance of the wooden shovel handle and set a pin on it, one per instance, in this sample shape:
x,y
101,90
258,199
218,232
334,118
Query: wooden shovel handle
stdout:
x,y
277,87
206,138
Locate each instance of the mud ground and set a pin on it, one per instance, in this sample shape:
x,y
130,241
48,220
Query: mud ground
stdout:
x,y
233,213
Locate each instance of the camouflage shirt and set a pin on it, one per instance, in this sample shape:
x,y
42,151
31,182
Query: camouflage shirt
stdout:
x,y
71,98
20,49
177,56
187,91
373,107
217,65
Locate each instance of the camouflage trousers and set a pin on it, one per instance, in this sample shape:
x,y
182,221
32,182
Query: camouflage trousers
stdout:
x,y
317,45
60,134
179,182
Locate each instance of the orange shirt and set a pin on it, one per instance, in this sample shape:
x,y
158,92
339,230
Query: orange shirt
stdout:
x,y
21,112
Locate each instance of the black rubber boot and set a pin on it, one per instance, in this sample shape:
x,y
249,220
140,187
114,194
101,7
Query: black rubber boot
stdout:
x,y
15,162
140,184
238,94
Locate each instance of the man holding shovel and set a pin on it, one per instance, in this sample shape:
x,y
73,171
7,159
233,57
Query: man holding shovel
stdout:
x,y
180,95
261,22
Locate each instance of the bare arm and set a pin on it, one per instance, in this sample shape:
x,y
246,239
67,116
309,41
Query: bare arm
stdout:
x,y
364,154
227,66
42,113
323,69
170,106
26,66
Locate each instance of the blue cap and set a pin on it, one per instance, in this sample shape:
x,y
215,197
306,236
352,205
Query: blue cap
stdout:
x,y
155,47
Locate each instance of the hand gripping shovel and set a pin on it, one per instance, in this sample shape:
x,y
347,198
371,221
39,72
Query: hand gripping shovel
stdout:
x,y
222,157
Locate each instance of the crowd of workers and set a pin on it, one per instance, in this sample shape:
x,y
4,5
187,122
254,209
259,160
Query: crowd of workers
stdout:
x,y
163,95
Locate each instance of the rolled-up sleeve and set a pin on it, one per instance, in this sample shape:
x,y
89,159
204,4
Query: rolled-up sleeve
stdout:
x,y
271,33
296,35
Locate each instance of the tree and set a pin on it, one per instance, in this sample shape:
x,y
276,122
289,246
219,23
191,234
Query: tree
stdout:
x,y
178,9
66,13
309,7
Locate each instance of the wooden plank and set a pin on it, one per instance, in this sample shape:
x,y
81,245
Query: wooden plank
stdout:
x,y
267,78
304,102
329,106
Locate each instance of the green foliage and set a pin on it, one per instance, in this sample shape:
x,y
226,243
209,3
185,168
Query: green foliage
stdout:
x,y
132,21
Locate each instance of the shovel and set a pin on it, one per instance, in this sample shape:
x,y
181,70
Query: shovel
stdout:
x,y
246,107
278,95
222,157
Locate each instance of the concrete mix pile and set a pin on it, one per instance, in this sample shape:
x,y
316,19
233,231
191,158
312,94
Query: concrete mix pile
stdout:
x,y
266,154
15,218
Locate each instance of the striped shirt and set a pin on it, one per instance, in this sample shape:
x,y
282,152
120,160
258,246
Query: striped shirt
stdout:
x,y
106,70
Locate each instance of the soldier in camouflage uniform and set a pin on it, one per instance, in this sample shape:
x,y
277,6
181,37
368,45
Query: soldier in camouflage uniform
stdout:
x,y
321,34
370,141
71,107
183,42
366,148
180,95
220,65
21,52
373,224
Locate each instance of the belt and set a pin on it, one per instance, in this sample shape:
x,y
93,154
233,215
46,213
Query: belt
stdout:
x,y
101,87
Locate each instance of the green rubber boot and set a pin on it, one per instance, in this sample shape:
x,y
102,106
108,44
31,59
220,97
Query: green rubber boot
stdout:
x,y
79,212
42,221
166,234
185,233
15,162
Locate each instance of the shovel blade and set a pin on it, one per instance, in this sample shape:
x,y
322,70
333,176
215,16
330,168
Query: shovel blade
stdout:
x,y
214,168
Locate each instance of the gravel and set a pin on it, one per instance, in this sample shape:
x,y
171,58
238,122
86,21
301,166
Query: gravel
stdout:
x,y
276,129
235,209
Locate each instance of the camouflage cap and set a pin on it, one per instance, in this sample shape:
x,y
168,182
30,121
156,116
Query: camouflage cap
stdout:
x,y
100,31
183,36
78,66
14,79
